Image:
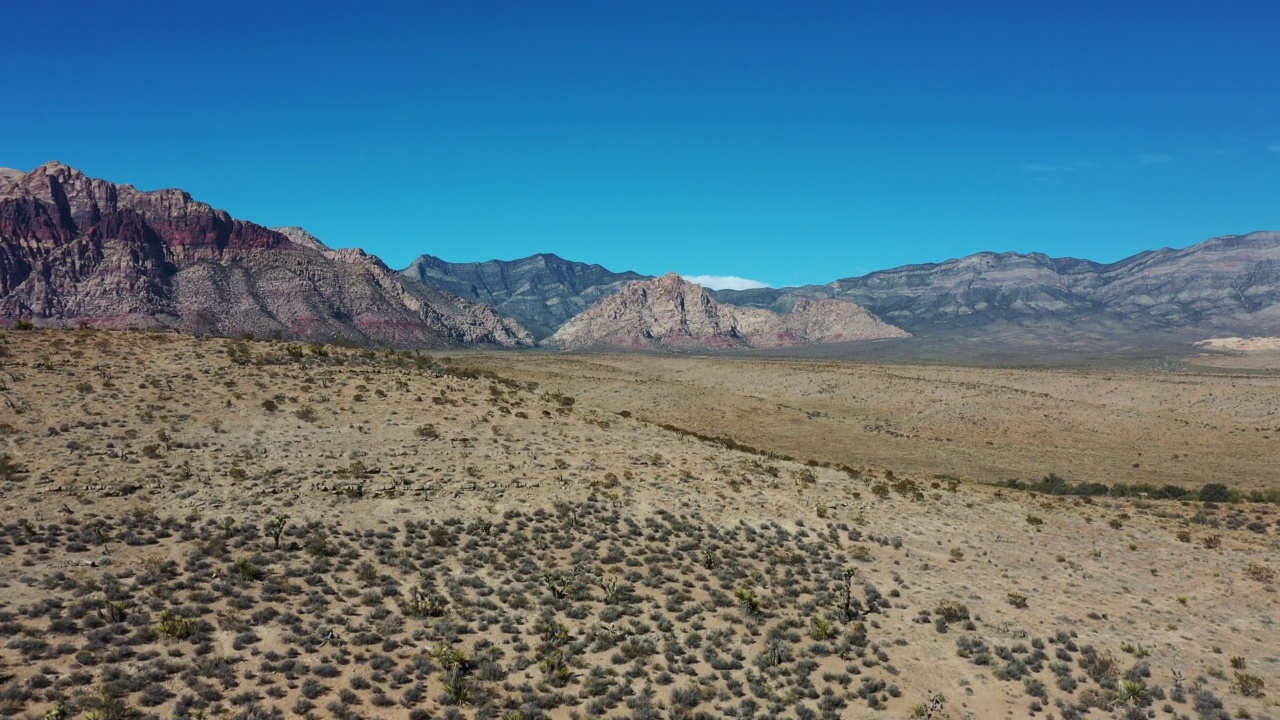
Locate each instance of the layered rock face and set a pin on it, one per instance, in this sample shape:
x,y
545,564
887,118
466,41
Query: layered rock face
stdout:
x,y
74,250
1228,283
669,313
541,291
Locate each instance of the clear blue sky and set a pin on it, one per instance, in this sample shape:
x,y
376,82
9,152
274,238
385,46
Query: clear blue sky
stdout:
x,y
789,142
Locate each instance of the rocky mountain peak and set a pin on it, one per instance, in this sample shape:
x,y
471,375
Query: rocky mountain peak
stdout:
x,y
671,313
299,236
78,249
541,291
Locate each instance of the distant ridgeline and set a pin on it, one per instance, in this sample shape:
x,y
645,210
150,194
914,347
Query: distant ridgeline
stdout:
x,y
1054,484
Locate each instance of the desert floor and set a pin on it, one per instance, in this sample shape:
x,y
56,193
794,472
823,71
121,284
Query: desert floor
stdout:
x,y
1215,421
198,528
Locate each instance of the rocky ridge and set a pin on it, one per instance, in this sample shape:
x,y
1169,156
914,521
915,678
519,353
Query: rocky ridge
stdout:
x,y
79,250
1229,283
541,291
669,313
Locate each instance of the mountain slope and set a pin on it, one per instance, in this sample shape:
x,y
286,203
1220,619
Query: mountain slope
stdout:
x,y
541,291
670,313
74,249
1227,283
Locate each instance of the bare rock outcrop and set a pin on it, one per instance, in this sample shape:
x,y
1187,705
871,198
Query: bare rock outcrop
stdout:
x,y
670,313
78,250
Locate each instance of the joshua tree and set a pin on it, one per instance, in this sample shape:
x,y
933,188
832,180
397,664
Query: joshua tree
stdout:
x,y
749,601
709,559
424,605
449,657
850,605
559,584
99,529
609,586
275,528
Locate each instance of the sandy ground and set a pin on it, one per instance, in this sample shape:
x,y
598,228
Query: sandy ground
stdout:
x,y
589,564
1252,344
979,424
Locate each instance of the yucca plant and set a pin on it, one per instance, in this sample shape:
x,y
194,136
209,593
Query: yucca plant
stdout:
x,y
247,569
457,691
821,629
556,668
176,626
115,610
1133,692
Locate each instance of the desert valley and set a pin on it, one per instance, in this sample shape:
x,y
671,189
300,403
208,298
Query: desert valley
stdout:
x,y
206,527
247,475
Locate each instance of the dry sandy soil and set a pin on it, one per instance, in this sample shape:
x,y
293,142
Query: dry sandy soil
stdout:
x,y
198,528
980,424
1263,362
1251,344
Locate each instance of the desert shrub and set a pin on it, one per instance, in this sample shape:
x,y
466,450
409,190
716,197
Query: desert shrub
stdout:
x,y
1248,685
1261,573
1216,492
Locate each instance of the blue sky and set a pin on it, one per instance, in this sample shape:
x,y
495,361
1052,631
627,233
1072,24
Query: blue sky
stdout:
x,y
788,142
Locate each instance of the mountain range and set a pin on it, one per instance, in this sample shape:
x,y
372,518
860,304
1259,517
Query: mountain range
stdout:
x,y
1226,284
1229,284
77,250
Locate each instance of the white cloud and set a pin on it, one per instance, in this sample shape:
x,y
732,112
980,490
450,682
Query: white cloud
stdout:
x,y
1054,169
724,282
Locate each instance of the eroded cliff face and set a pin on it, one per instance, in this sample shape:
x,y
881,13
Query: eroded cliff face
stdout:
x,y
673,314
75,249
813,322
541,291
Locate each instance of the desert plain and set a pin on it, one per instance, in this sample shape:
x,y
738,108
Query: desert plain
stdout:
x,y
212,527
